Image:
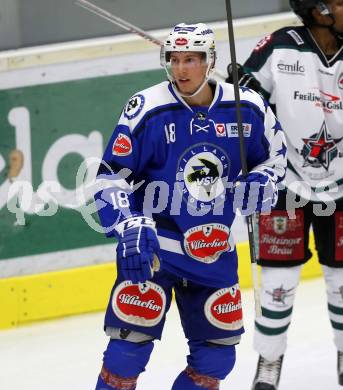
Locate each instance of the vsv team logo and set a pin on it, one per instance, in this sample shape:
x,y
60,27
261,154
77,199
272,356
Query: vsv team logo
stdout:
x,y
203,168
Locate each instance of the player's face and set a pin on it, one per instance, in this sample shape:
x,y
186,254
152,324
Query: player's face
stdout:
x,y
337,11
188,70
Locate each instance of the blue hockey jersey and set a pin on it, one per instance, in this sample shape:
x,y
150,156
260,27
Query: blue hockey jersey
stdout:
x,y
175,163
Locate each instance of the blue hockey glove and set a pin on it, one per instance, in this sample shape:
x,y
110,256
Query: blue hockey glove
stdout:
x,y
255,192
138,249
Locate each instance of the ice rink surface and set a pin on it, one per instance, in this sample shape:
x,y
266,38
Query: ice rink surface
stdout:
x,y
66,354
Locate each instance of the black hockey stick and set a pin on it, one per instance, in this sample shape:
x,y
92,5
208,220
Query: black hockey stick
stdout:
x,y
242,150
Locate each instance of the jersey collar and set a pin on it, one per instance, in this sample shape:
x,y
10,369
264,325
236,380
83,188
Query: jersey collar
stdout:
x,y
218,93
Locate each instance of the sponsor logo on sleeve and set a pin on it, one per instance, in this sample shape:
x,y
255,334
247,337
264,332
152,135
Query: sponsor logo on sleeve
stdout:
x,y
139,304
122,145
263,42
134,106
223,309
206,243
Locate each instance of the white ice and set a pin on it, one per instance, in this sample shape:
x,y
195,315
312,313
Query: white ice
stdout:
x,y
66,354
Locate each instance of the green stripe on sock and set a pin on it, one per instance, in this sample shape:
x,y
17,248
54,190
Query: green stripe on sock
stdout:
x,y
335,309
271,331
337,325
276,315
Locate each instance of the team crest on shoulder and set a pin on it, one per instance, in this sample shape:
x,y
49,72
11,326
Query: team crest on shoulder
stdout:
x,y
206,243
122,145
263,42
223,309
134,106
139,304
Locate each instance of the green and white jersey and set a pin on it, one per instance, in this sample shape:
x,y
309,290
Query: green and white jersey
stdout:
x,y
306,88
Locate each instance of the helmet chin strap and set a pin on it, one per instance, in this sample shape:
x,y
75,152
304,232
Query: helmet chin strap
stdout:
x,y
188,95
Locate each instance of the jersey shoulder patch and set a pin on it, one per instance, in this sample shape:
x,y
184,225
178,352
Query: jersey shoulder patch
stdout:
x,y
296,37
287,36
143,102
134,106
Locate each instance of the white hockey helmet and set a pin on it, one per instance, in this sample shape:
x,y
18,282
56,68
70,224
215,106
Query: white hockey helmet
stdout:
x,y
190,38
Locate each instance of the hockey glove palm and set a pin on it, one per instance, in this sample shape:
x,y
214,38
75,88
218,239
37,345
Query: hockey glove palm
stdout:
x,y
255,192
244,79
137,249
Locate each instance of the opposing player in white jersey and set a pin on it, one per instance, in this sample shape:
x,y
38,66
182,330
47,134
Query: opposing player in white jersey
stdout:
x,y
300,71
166,173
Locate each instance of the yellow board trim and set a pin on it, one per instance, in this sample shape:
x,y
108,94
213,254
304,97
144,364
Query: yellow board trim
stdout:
x,y
57,294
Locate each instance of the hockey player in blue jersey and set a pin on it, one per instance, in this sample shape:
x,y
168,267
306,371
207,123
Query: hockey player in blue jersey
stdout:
x,y
168,199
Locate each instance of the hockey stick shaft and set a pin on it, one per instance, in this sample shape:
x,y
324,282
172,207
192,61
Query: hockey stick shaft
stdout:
x,y
117,21
243,156
87,5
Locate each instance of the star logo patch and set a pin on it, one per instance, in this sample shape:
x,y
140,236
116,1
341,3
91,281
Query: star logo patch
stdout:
x,y
320,149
